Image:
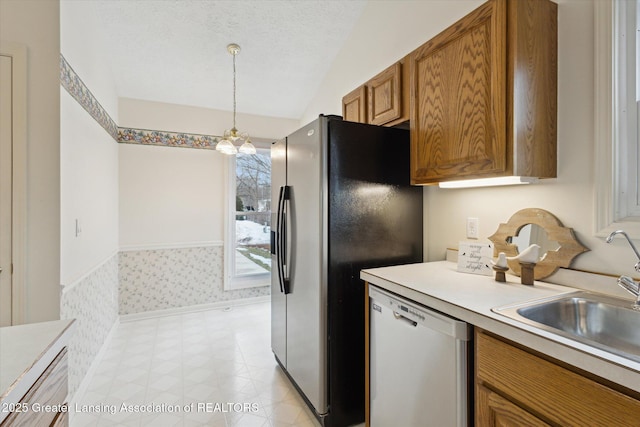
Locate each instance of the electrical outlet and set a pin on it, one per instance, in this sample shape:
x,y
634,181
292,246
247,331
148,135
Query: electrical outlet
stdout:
x,y
472,228
78,228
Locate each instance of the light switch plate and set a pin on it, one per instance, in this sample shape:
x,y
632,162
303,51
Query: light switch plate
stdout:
x,y
472,228
78,227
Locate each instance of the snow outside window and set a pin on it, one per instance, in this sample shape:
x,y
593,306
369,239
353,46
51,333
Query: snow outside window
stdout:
x,y
247,253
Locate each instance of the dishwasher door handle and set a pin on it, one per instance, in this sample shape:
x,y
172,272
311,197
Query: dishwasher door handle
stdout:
x,y
406,319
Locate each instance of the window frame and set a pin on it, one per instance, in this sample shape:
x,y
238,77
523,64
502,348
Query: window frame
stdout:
x,y
626,109
231,280
614,188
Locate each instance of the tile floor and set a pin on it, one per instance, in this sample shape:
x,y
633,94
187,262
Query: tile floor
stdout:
x,y
210,368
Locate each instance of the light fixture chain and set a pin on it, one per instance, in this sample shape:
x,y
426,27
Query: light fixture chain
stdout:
x,y
226,145
234,91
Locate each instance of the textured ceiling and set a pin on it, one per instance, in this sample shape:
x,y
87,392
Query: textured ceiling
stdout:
x,y
175,50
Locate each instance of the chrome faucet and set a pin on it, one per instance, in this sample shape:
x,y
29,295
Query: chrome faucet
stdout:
x,y
625,281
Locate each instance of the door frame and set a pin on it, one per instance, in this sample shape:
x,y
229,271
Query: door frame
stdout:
x,y
18,54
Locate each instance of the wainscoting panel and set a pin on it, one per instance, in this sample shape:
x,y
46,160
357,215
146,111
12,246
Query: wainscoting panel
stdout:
x,y
93,302
158,279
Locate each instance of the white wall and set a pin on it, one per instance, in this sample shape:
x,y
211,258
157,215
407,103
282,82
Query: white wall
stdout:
x,y
89,193
36,24
89,178
83,43
570,197
385,33
89,155
141,114
172,195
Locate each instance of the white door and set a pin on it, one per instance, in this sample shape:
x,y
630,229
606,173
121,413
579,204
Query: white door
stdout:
x,y
6,125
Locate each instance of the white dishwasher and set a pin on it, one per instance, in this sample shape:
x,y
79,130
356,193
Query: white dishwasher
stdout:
x,y
418,364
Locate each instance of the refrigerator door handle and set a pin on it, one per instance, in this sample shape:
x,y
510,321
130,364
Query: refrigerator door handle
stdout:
x,y
286,196
278,240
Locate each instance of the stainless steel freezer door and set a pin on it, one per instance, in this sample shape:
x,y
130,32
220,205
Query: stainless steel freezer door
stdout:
x,y
278,299
306,302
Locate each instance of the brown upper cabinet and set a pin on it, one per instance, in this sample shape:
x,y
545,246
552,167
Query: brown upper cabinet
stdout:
x,y
354,105
383,100
484,95
384,93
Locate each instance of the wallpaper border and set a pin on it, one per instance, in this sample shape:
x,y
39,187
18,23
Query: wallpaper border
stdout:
x,y
166,138
74,85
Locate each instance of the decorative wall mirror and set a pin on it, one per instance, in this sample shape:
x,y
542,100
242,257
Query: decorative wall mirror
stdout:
x,y
559,245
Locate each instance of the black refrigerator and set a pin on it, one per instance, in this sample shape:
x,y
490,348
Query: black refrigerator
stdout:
x,y
344,203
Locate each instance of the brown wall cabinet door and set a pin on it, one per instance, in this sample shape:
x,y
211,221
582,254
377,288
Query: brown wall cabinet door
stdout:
x,y
354,105
458,85
484,95
384,93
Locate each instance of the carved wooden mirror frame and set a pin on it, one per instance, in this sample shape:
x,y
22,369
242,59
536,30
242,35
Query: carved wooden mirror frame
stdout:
x,y
552,260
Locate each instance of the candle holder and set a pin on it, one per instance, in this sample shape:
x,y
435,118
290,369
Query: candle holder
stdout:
x,y
500,273
526,273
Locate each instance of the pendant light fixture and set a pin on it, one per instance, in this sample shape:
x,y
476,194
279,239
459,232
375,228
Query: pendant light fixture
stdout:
x,y
226,145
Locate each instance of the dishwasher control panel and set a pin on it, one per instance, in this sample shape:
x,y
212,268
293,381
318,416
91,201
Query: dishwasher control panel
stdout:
x,y
415,312
411,311
381,300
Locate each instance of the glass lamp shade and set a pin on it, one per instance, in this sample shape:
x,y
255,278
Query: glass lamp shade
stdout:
x,y
225,146
247,147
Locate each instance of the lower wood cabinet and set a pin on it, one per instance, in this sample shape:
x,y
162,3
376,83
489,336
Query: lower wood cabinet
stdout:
x,y
517,388
44,404
498,411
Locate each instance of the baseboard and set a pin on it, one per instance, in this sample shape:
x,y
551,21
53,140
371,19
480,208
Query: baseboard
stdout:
x,y
192,308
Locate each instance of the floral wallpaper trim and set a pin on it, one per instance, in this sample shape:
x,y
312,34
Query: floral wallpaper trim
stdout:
x,y
81,93
74,85
165,138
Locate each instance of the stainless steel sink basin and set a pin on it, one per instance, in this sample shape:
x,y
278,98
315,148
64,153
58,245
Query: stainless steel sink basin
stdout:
x,y
608,323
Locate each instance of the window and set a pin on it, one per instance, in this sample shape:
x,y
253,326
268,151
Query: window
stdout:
x,y
625,69
248,254
617,78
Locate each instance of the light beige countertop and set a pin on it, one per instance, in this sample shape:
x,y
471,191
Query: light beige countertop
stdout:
x,y
471,297
25,352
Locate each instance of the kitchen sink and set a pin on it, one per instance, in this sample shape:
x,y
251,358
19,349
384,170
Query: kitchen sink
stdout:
x,y
601,321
